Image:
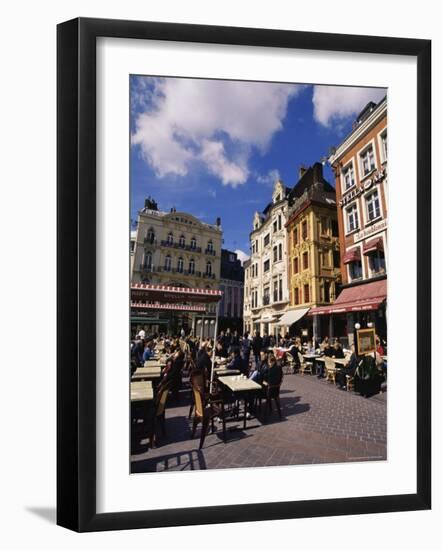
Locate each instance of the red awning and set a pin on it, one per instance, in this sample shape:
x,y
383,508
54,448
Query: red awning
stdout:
x,y
373,245
357,298
353,255
170,307
171,294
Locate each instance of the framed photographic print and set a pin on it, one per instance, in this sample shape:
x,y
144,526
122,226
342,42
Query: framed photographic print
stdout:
x,y
366,340
230,215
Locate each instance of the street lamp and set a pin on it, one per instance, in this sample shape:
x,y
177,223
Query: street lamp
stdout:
x,y
357,326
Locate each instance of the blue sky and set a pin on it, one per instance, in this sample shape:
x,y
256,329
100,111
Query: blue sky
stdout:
x,y
214,148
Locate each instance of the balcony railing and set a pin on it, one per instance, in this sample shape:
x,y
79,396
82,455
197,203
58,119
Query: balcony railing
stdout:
x,y
178,246
265,300
208,275
148,240
210,252
147,268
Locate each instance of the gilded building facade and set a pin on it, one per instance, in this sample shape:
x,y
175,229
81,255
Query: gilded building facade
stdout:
x,y
313,247
266,290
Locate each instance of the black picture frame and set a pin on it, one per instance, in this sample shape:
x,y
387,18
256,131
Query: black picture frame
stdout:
x,y
76,273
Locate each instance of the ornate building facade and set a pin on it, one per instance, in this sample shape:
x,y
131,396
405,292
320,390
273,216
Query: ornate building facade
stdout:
x,y
266,291
232,286
313,248
176,249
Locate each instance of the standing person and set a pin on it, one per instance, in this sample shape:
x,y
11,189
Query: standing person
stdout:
x,y
245,349
256,346
141,334
227,339
266,340
235,339
183,333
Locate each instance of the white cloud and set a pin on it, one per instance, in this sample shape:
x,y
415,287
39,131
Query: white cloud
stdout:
x,y
335,103
270,178
242,255
214,122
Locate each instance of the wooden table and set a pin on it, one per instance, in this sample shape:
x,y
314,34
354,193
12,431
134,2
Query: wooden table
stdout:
x,y
341,362
153,363
141,391
241,389
147,373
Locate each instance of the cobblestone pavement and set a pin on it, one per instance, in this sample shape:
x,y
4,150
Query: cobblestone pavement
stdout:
x,y
320,424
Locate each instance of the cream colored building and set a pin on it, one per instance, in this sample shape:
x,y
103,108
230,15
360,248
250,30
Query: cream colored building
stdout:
x,y
266,286
176,249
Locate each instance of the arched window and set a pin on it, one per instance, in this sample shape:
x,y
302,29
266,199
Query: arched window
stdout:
x,y
168,263
209,268
210,246
192,266
182,241
180,265
193,243
150,236
170,238
148,260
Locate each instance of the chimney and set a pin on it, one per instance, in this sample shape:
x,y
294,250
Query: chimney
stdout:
x,y
302,170
218,221
317,172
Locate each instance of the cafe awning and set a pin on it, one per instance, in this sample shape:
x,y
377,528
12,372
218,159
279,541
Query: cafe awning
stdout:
x,y
373,245
353,255
170,294
169,307
363,297
290,317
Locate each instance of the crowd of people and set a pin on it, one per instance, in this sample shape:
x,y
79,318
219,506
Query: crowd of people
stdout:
x,y
255,356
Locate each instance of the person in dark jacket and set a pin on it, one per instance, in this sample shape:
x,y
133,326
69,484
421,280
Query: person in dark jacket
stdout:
x,y
266,341
236,362
349,369
273,375
203,360
258,374
256,346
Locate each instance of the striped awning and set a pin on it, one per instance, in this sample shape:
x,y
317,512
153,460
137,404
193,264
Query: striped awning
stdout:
x,y
141,292
353,255
170,307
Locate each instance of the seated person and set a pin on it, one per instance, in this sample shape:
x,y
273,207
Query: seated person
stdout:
x,y
349,369
257,374
310,350
148,353
273,374
236,362
338,352
328,350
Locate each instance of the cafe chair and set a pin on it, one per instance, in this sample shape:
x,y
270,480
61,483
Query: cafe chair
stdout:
x,y
304,365
330,370
159,417
206,409
272,392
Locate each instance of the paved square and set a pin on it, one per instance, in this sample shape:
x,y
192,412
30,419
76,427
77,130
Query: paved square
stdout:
x,y
320,424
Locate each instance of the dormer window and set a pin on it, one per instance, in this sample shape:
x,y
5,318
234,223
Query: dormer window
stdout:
x,y
170,238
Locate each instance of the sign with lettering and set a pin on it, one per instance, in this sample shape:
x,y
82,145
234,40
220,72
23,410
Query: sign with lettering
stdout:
x,y
370,230
365,186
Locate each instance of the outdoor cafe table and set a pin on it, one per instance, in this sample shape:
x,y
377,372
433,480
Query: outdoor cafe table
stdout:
x,y
141,391
226,372
341,362
241,388
153,363
147,373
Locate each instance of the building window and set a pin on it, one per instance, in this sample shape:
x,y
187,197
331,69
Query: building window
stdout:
x,y
326,291
324,225
384,146
267,239
355,270
192,266
352,218
210,246
275,290
266,297
182,241
373,207
295,235
148,260
209,268
193,242
367,160
132,246
377,262
168,263
150,236
266,266
280,290
349,176
170,238
306,294
279,222
325,259
335,228
256,270
296,296
275,226
336,258
275,254
304,230
296,265
180,265
305,260
280,251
